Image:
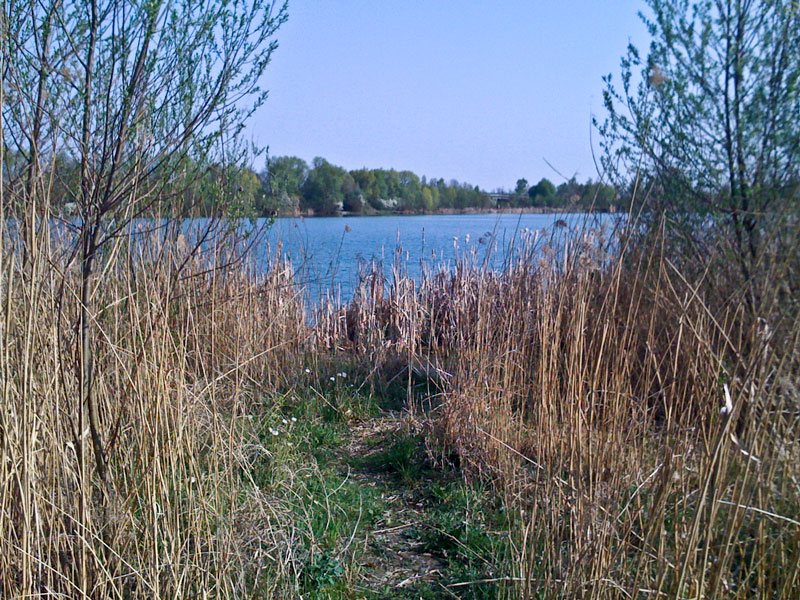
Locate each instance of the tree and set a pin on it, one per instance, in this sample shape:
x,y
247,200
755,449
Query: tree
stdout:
x,y
543,193
282,180
427,199
711,116
353,198
522,188
286,174
142,97
568,193
324,189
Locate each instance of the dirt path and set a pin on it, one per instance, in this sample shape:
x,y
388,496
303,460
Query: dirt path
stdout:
x,y
395,556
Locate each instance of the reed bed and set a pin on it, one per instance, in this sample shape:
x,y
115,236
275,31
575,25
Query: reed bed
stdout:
x,y
637,413
183,351
639,418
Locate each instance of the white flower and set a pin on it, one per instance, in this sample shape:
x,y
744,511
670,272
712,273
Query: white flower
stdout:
x,y
284,421
308,370
273,431
294,419
333,378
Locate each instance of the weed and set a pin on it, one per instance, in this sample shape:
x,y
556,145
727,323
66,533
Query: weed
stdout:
x,y
322,571
404,457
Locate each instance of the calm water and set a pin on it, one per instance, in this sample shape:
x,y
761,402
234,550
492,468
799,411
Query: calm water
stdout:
x,y
328,252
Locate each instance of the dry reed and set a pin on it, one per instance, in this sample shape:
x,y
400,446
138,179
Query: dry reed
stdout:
x,y
182,351
640,421
589,388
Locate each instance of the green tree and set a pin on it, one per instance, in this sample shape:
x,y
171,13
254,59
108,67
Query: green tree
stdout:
x,y
325,187
394,187
597,196
543,193
521,190
410,191
140,97
711,115
380,189
352,196
282,181
238,185
427,199
568,194
246,189
286,174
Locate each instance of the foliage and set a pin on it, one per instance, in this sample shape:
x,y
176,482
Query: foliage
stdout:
x,y
708,120
522,187
135,109
286,174
543,192
281,182
288,185
325,188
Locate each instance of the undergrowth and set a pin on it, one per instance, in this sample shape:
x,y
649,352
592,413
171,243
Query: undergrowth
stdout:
x,y
600,419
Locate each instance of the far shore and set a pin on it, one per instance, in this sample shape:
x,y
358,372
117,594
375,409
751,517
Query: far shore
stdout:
x,y
446,212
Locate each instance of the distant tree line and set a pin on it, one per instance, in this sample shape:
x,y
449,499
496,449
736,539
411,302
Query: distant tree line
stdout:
x,y
327,189
290,186
293,186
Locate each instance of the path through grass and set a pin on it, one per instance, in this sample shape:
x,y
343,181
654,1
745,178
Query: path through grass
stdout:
x,y
380,519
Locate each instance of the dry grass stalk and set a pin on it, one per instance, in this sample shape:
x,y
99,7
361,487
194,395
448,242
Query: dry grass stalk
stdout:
x,y
178,357
588,388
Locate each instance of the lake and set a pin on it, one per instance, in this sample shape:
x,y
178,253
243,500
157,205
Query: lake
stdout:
x,y
327,252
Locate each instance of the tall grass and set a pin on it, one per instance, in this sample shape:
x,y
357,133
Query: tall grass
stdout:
x,y
591,390
180,354
638,417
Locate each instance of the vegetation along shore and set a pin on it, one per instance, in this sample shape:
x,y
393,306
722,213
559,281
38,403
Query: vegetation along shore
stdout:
x,y
613,414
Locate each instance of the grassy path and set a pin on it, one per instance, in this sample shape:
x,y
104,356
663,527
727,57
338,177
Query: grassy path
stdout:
x,y
382,521
379,455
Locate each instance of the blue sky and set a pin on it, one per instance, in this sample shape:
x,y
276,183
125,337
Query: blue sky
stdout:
x,y
478,91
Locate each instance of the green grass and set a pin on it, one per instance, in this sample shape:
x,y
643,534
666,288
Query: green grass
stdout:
x,y
335,505
468,528
404,457
463,524
301,438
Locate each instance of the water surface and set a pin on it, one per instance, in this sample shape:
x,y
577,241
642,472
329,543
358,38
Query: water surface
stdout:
x,y
327,252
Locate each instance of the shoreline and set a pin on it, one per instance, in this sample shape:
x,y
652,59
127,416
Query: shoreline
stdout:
x,y
448,212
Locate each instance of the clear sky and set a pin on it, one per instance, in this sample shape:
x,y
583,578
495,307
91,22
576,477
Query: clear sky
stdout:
x,y
482,91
